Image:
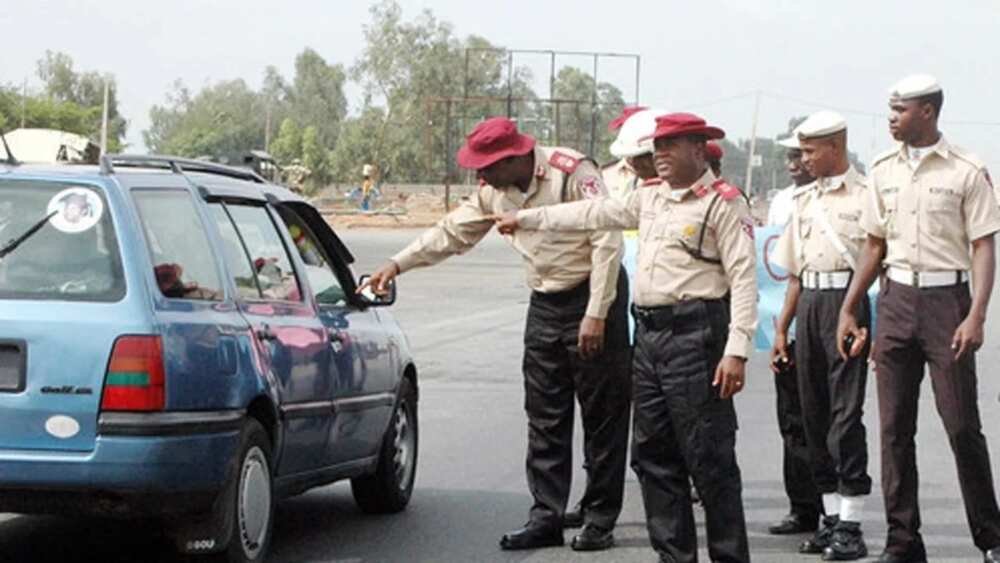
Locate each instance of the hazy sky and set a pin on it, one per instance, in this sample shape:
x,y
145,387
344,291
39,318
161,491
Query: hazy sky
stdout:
x,y
841,55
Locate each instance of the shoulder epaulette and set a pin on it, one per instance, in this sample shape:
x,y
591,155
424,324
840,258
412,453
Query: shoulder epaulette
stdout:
x,y
726,191
967,156
800,190
654,181
564,162
885,155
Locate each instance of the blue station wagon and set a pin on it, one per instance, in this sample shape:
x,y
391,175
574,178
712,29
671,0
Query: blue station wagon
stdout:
x,y
182,340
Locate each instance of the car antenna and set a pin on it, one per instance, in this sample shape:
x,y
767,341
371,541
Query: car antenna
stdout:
x,y
10,156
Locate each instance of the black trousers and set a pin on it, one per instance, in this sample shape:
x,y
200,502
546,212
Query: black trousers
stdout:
x,y
803,497
832,392
915,328
553,373
682,430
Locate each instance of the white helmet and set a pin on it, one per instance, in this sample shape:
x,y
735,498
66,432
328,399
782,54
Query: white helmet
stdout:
x,y
634,137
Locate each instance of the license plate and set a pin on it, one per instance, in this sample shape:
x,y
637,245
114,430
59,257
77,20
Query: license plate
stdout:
x,y
12,366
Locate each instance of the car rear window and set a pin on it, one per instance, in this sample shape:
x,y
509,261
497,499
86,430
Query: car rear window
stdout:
x,y
58,243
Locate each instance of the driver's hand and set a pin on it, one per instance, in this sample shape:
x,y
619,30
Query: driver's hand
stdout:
x,y
379,282
507,223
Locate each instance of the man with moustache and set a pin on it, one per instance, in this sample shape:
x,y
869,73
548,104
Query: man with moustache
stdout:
x,y
695,305
931,217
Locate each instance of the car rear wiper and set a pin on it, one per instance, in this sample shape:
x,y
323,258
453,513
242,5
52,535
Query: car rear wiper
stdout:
x,y
13,243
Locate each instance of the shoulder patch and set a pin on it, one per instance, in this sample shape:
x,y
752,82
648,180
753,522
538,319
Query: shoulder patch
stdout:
x,y
564,162
591,187
726,191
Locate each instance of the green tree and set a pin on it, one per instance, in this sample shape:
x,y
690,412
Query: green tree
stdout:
x,y
314,157
356,146
64,85
583,125
317,97
224,119
288,146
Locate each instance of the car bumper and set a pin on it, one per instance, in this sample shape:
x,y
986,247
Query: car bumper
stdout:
x,y
140,463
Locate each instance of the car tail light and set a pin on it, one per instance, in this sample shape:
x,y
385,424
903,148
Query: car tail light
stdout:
x,y
134,381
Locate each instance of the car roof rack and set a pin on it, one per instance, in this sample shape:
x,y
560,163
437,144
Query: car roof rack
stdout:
x,y
11,160
177,165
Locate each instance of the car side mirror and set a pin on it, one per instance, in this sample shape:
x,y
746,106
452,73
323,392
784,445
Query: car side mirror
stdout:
x,y
373,299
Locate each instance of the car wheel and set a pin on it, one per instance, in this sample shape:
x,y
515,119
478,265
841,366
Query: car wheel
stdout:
x,y
389,488
253,502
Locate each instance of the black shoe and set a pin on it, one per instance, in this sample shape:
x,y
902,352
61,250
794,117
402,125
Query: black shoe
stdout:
x,y
593,538
532,536
992,555
848,543
794,524
822,538
573,518
915,556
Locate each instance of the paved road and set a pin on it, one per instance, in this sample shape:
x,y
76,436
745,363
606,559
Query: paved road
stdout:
x,y
464,320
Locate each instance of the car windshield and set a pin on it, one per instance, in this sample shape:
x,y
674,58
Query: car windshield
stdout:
x,y
72,256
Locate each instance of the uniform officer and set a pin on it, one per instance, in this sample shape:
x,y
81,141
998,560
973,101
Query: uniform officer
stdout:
x,y
576,338
819,249
930,219
714,153
619,175
803,498
695,301
636,154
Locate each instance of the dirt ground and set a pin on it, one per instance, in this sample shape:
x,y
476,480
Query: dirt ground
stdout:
x,y
419,210
401,211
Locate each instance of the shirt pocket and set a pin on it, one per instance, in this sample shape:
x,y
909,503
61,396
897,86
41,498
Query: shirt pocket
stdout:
x,y
943,211
647,225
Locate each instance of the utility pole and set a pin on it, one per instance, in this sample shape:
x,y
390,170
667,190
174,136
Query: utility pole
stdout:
x,y
267,129
104,118
24,103
753,146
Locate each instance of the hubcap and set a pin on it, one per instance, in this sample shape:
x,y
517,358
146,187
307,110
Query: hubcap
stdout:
x,y
405,446
254,508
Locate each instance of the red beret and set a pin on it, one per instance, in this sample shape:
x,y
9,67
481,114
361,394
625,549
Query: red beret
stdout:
x,y
713,151
617,122
492,140
678,124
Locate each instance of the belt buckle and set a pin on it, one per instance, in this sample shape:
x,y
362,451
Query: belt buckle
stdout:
x,y
915,279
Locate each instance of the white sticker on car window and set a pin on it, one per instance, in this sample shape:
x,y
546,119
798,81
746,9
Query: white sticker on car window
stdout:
x,y
75,210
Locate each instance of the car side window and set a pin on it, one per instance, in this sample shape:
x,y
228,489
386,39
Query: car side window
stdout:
x,y
268,257
183,262
235,254
319,269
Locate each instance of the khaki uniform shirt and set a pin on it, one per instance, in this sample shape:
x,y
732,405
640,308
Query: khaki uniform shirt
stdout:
x,y
804,245
668,220
929,216
619,178
554,261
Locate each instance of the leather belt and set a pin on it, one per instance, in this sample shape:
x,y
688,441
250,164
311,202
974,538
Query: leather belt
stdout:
x,y
927,279
826,280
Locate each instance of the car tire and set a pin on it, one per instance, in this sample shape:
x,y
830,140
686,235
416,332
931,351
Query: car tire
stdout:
x,y
252,505
389,488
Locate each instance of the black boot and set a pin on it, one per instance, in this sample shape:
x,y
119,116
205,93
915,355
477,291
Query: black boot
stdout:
x,y
532,536
822,538
848,543
573,518
593,538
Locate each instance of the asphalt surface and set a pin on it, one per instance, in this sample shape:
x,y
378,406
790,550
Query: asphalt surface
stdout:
x,y
464,319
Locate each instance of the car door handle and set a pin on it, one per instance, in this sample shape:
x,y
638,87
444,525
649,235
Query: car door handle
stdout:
x,y
265,333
